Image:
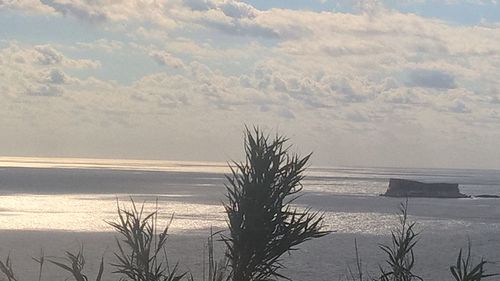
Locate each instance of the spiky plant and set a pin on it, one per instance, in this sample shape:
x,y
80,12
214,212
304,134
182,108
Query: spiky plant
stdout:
x,y
400,257
464,270
75,265
141,252
41,261
6,269
262,223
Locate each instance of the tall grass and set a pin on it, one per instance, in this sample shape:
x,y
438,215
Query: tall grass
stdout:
x,y
465,270
400,258
214,270
141,252
75,264
6,268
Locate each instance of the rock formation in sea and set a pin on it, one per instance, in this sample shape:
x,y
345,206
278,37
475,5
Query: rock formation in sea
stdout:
x,y
410,188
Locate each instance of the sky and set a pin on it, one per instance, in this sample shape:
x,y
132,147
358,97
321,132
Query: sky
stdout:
x,y
407,83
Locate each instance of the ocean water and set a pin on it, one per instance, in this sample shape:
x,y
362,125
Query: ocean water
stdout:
x,y
57,204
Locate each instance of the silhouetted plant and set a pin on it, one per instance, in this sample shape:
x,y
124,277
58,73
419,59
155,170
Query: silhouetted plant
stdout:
x,y
356,274
217,270
262,223
464,270
141,253
41,261
76,265
7,270
400,256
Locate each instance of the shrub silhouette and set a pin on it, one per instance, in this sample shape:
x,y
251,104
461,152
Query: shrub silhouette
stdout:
x,y
262,223
75,265
465,270
141,252
400,257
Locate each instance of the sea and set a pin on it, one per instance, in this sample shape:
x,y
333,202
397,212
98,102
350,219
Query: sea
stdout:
x,y
52,205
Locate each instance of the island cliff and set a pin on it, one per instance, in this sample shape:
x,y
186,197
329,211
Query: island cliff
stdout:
x,y
410,188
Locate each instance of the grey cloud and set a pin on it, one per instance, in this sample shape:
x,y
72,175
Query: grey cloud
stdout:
x,y
429,78
241,28
48,55
459,106
45,91
390,83
286,113
201,72
230,8
57,77
199,5
356,116
76,9
245,81
346,92
495,100
264,108
399,97
237,9
279,84
228,16
165,58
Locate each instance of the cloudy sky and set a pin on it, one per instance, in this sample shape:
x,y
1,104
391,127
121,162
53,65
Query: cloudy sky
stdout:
x,y
366,82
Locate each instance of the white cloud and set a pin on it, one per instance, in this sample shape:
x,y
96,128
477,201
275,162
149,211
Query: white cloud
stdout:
x,y
366,78
42,55
45,91
29,6
165,58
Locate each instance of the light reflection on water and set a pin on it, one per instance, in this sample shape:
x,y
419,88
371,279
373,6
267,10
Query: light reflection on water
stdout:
x,y
349,195
359,187
89,213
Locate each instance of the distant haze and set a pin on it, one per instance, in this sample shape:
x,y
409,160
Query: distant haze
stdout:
x,y
359,83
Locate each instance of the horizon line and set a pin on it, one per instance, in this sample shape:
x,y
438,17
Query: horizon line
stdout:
x,y
162,164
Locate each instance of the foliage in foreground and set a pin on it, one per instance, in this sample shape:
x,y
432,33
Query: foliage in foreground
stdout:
x,y
142,254
262,224
400,258
76,263
464,270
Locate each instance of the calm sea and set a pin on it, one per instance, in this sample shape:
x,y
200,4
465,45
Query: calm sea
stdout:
x,y
80,195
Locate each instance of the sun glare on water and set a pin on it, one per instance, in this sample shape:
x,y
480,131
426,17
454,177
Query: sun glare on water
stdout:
x,y
90,213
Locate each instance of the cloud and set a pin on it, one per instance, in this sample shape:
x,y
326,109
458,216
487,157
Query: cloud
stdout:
x,y
45,91
365,78
459,106
56,76
48,55
167,59
199,5
28,6
435,79
103,44
77,9
237,10
37,71
42,55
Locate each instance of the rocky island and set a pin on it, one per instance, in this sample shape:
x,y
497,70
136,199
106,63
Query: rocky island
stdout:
x,y
410,188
